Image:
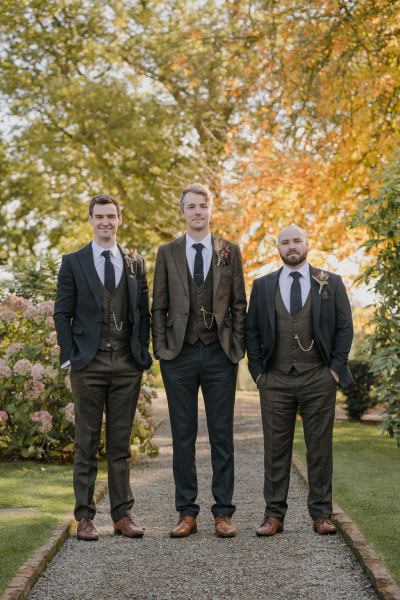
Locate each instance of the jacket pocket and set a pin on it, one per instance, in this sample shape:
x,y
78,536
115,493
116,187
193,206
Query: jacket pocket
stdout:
x,y
77,330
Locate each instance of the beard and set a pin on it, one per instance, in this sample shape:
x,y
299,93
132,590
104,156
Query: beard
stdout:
x,y
294,259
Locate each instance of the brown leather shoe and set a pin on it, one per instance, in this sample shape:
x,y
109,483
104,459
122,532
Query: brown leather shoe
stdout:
x,y
86,531
185,526
224,527
270,526
128,528
324,527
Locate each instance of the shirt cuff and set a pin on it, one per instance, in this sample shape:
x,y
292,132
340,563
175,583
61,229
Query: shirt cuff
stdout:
x,y
66,364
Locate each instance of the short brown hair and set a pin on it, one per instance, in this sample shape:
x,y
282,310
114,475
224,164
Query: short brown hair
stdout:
x,y
104,199
197,188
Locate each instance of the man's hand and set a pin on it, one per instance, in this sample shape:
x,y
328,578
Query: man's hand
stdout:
x,y
335,376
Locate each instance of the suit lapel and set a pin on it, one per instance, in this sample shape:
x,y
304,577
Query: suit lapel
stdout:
x,y
271,284
86,261
217,271
132,283
315,301
179,254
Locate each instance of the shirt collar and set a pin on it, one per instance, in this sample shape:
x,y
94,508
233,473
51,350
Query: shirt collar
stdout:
x,y
97,250
206,241
304,270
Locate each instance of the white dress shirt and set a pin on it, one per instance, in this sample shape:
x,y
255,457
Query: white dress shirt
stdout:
x,y
99,261
286,280
206,252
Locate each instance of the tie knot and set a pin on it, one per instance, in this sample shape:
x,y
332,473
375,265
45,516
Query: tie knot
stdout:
x,y
198,247
296,275
106,253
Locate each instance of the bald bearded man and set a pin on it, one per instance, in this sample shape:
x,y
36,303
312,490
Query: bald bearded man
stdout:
x,y
299,333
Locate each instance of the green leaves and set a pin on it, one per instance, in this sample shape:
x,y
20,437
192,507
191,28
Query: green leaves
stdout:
x,y
380,214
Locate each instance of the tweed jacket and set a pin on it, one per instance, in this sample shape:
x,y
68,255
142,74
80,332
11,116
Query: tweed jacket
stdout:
x,y
331,316
77,310
170,309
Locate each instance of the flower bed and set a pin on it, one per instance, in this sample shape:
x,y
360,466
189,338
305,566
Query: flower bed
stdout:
x,y
36,404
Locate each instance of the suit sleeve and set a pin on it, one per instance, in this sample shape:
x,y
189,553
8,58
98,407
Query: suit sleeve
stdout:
x,y
160,303
238,302
253,337
64,308
144,330
343,331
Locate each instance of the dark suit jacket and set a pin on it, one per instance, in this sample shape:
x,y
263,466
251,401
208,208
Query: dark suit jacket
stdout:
x,y
332,324
170,309
77,311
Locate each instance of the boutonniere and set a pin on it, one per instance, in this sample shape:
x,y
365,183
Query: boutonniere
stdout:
x,y
322,278
223,250
133,259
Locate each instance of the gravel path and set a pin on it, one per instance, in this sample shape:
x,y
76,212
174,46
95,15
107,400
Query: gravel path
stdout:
x,y
297,565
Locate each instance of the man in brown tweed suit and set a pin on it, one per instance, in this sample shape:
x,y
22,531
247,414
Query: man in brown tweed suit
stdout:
x,y
102,320
199,311
299,332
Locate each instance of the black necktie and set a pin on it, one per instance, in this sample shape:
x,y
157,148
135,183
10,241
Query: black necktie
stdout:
x,y
198,271
109,272
295,294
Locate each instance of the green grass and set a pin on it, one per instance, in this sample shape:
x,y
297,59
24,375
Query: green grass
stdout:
x,y
366,485
47,489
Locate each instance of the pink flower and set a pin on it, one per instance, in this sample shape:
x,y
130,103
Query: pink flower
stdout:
x,y
44,418
50,372
49,321
6,314
69,411
3,416
17,303
45,308
34,389
30,312
22,367
52,338
67,382
55,351
14,349
5,370
37,371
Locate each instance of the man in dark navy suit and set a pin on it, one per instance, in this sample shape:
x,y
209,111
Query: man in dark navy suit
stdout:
x,y
103,324
298,333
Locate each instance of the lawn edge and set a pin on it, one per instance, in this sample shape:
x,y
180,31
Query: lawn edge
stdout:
x,y
383,583
29,572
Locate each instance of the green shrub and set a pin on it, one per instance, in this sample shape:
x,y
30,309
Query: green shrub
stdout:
x,y
380,215
358,395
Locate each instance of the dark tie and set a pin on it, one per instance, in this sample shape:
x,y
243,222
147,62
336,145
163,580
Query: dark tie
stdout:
x,y
109,272
295,294
198,271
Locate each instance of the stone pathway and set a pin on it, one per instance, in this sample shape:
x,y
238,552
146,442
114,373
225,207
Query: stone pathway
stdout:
x,y
297,565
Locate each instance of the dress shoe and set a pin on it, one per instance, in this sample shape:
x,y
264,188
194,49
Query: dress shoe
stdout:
x,y
128,528
324,527
185,526
270,526
86,531
224,527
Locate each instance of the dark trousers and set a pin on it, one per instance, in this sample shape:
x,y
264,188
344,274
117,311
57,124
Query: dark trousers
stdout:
x,y
111,381
207,367
314,393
